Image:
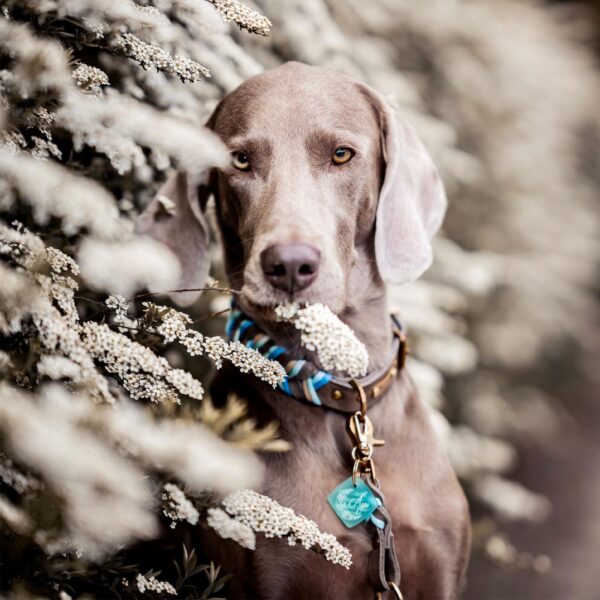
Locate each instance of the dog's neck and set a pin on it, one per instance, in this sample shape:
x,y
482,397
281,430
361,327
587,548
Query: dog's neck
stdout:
x,y
371,324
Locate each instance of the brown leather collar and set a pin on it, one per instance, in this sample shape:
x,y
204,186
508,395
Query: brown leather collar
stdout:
x,y
306,382
341,394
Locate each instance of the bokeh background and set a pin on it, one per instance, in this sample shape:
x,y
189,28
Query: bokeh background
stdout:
x,y
504,327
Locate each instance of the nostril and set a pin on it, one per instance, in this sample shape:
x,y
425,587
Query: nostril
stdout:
x,y
278,270
306,269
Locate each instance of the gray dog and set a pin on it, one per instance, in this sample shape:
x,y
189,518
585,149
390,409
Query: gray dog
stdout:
x,y
328,196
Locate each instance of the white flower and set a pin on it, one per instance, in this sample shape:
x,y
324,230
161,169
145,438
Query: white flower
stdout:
x,y
58,367
151,55
90,79
117,303
187,450
264,515
231,529
88,475
128,266
119,126
56,192
245,17
335,343
143,374
177,506
174,328
151,584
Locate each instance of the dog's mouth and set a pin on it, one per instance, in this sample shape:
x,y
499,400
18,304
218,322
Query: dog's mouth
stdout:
x,y
263,303
262,311
258,298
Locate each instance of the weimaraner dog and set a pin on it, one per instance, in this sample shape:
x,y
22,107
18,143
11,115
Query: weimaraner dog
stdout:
x,y
328,195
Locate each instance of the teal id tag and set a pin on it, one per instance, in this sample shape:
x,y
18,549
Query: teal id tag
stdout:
x,y
353,504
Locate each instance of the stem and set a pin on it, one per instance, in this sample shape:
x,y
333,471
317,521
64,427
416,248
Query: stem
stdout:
x,y
90,300
212,315
202,289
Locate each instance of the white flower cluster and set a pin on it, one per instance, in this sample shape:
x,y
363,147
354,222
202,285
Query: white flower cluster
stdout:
x,y
229,528
70,347
41,432
245,17
144,374
13,477
18,298
184,449
177,507
335,343
96,458
264,515
119,305
151,584
128,265
44,148
57,367
90,79
59,261
174,328
151,55
51,192
119,126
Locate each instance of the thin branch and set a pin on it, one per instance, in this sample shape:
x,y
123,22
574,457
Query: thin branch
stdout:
x,y
212,315
89,300
202,289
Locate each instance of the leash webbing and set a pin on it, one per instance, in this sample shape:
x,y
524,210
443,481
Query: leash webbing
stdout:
x,y
383,565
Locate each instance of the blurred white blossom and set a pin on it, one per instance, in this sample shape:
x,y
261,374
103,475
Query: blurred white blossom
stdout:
x,y
127,266
177,507
229,528
511,499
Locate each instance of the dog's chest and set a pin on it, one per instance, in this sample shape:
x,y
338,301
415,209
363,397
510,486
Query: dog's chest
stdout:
x,y
303,478
320,459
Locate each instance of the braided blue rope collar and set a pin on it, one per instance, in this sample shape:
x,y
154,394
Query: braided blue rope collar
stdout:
x,y
304,381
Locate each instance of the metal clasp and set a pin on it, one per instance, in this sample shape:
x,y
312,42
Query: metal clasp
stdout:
x,y
360,429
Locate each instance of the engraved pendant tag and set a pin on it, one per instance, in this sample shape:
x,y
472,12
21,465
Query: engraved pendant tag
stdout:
x,y
353,504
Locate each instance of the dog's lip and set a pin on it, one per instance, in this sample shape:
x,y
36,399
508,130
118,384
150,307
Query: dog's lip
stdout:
x,y
258,309
265,310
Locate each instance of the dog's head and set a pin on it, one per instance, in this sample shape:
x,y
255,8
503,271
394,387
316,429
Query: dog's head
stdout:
x,y
328,193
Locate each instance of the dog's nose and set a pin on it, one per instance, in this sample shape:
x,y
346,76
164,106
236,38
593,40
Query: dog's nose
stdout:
x,y
290,267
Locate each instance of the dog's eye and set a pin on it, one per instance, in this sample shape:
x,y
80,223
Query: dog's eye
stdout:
x,y
342,155
240,161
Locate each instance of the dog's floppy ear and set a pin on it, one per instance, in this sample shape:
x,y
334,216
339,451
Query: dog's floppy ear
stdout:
x,y
176,218
412,201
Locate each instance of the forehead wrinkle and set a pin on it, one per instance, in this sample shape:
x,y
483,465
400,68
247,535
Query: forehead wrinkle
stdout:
x,y
338,136
248,142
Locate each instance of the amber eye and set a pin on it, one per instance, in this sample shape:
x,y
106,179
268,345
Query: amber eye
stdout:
x,y
342,155
240,161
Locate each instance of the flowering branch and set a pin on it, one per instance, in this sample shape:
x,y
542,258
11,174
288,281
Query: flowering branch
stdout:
x,y
247,511
335,343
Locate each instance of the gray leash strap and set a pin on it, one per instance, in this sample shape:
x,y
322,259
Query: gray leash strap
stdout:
x,y
383,566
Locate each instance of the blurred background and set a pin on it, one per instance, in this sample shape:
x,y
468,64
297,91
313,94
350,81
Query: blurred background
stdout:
x,y
504,327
